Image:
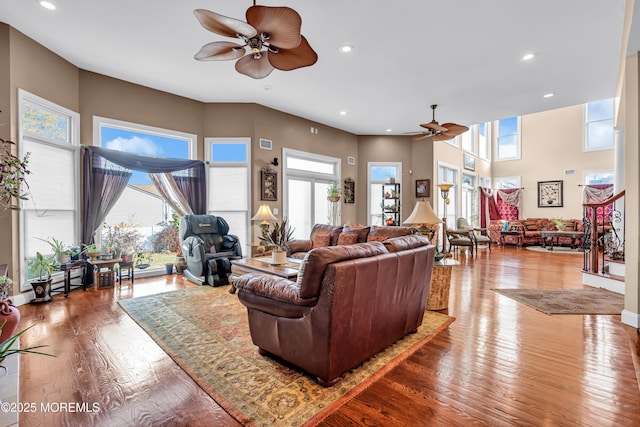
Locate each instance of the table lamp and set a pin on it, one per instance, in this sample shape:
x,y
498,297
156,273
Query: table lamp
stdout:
x,y
423,214
265,215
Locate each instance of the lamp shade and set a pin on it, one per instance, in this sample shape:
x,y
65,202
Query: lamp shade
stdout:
x,y
264,214
422,214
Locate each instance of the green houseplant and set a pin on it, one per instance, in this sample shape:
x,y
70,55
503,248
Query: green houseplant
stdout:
x,y
13,170
334,192
43,267
5,284
277,236
61,252
7,350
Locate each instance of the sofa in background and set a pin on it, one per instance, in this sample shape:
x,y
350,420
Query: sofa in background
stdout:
x,y
332,235
531,228
349,303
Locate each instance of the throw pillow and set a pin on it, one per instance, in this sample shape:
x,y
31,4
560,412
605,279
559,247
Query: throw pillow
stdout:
x,y
321,240
347,239
371,238
569,225
359,231
531,225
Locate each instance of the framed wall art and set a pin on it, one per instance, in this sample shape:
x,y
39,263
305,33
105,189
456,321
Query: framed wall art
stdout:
x,y
549,194
423,187
269,185
469,162
349,191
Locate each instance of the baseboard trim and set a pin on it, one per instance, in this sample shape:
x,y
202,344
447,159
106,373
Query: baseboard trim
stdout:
x,y
22,299
630,318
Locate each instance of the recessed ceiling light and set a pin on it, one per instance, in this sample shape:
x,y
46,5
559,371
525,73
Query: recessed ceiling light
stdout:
x,y
47,4
343,113
528,56
346,49
548,95
268,87
388,130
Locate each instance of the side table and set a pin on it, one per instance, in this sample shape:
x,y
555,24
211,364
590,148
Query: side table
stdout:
x,y
516,233
68,268
104,273
438,298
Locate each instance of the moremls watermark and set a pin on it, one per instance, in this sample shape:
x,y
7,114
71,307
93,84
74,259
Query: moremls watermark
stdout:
x,y
23,407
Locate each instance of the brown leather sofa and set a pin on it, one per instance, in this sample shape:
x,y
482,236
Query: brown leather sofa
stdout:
x,y
332,235
348,303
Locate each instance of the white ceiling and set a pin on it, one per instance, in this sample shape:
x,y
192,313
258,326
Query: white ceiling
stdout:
x,y
461,54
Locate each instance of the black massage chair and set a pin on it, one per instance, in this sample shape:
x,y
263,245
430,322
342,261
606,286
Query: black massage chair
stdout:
x,y
208,249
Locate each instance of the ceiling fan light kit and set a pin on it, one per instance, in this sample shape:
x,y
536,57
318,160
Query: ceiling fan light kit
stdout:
x,y
271,34
439,132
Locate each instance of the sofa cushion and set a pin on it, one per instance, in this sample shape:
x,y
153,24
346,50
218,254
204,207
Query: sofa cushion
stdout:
x,y
360,231
347,239
316,261
531,225
569,225
382,233
402,243
332,230
321,240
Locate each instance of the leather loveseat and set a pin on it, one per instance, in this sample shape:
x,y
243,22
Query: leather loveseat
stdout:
x,y
349,303
332,235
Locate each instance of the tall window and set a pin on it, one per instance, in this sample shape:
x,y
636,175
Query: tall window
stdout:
x,y
378,174
51,134
306,178
484,145
229,183
598,177
141,208
469,199
468,140
599,125
447,174
508,139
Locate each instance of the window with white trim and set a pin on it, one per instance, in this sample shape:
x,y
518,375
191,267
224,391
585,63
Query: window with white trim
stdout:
x,y
507,141
448,174
379,173
51,134
598,177
484,140
599,125
469,202
505,182
229,184
306,179
468,140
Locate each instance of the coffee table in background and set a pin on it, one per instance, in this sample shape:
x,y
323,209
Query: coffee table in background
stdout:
x,y
263,265
548,236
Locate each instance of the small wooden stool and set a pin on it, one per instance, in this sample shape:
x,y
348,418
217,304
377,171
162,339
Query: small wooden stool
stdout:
x,y
128,274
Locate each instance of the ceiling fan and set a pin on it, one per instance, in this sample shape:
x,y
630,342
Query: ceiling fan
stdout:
x,y
437,131
272,35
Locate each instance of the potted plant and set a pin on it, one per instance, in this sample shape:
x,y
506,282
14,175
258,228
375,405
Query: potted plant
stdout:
x,y
43,267
179,262
123,237
91,251
334,192
143,260
13,170
277,236
5,285
61,252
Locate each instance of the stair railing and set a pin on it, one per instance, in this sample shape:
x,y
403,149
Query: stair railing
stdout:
x,y
604,235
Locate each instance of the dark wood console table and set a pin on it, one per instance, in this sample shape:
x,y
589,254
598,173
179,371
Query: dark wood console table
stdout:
x,y
67,269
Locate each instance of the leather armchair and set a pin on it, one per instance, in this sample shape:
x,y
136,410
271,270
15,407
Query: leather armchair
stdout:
x,y
208,248
348,303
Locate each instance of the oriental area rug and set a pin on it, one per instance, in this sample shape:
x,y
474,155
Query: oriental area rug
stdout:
x,y
205,331
568,301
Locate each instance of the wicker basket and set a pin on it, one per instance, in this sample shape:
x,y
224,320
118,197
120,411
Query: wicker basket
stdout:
x,y
439,290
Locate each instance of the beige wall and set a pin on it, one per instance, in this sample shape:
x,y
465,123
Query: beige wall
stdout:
x,y
551,143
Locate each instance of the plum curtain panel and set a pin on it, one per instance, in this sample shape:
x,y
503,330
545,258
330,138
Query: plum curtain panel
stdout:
x,y
107,172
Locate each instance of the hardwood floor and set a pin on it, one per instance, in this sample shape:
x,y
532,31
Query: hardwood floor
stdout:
x,y
499,364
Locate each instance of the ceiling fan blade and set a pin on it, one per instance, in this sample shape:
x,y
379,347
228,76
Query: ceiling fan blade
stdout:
x,y
223,25
282,24
290,59
220,51
454,129
420,137
434,126
254,68
441,137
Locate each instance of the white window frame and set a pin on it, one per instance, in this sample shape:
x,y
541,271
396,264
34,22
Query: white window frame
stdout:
x,y
585,143
473,136
209,142
474,218
501,179
72,145
496,141
484,155
590,173
370,196
332,178
454,193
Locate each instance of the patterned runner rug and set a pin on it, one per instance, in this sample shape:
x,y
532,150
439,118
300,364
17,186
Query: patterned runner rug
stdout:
x,y
206,332
568,301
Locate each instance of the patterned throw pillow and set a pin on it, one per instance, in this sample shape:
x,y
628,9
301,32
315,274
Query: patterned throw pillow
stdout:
x,y
371,238
347,239
321,240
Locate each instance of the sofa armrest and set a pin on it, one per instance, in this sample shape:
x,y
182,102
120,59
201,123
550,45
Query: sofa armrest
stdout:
x,y
299,246
273,287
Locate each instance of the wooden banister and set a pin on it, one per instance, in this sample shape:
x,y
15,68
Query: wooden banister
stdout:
x,y
593,264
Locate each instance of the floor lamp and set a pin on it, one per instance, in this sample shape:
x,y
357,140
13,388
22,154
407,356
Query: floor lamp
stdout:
x,y
444,192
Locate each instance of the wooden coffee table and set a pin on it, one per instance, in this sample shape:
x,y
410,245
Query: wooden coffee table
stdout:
x,y
548,236
263,265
